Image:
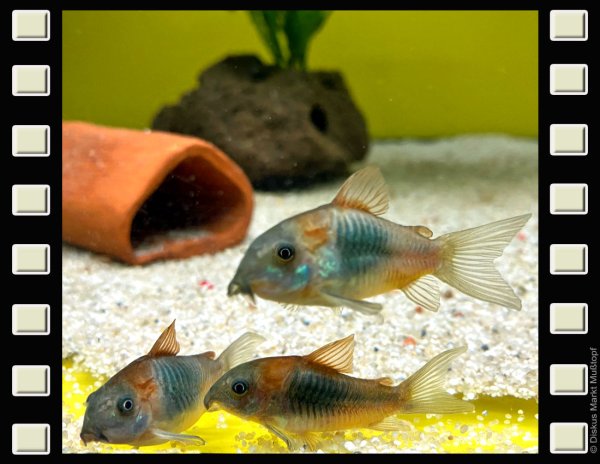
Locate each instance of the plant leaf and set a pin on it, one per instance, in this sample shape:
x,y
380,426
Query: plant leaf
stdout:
x,y
299,28
268,24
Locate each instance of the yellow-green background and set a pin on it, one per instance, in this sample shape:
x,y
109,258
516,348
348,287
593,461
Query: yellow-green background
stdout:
x,y
413,73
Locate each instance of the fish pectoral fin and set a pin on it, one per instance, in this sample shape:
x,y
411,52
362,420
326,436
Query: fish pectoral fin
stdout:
x,y
392,423
181,437
425,292
337,310
291,307
362,306
296,441
310,440
288,440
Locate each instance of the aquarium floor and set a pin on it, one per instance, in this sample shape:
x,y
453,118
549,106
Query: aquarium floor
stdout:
x,y
112,313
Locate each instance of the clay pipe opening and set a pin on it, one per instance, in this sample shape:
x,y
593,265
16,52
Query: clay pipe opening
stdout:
x,y
141,196
188,204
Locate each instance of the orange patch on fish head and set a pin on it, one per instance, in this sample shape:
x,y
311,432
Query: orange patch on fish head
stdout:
x,y
314,228
251,390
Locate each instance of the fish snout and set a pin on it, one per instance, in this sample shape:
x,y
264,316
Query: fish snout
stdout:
x,y
210,399
88,436
236,287
207,402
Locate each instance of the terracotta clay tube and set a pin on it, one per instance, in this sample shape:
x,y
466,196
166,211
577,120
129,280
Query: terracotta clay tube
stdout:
x,y
141,196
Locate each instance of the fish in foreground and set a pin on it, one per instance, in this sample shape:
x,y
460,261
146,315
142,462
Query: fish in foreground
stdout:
x,y
296,396
340,253
159,395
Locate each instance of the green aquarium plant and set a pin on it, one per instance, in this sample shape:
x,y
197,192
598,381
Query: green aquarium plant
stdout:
x,y
287,34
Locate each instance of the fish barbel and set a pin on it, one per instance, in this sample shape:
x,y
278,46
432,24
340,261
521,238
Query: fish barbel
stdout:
x,y
341,253
296,396
159,395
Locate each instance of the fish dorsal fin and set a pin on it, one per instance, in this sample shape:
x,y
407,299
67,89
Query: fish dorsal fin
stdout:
x,y
422,230
365,190
337,355
166,345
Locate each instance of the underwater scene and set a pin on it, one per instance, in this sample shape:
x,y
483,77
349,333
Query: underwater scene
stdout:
x,y
300,232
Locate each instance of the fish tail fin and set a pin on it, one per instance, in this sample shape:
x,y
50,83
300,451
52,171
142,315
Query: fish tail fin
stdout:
x,y
423,392
468,261
241,350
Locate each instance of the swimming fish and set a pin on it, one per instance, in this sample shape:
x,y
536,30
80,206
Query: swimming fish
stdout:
x,y
159,395
340,253
296,396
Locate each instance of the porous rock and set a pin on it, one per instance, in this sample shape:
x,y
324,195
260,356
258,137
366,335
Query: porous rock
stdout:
x,y
285,128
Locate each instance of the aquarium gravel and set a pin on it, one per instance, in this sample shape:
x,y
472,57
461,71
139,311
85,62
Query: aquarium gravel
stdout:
x,y
113,313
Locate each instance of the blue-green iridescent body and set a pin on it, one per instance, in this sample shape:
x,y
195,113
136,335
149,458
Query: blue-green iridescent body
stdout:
x,y
338,251
376,255
182,382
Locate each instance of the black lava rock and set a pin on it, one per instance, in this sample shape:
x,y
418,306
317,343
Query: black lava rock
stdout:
x,y
285,128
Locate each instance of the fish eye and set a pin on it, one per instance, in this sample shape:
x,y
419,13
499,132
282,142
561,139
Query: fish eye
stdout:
x,y
125,405
285,252
240,387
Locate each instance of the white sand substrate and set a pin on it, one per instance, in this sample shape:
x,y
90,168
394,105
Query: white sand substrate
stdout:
x,y
112,313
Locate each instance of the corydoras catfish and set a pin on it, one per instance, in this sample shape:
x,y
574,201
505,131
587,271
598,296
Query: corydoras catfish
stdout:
x,y
159,395
296,396
343,252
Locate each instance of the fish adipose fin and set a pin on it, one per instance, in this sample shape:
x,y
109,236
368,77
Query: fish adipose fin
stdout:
x,y
468,261
423,231
423,392
365,190
424,292
337,355
241,350
365,307
392,423
296,441
387,381
183,438
208,354
166,344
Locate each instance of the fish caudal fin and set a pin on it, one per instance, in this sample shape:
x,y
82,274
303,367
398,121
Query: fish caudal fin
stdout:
x,y
423,392
241,350
468,261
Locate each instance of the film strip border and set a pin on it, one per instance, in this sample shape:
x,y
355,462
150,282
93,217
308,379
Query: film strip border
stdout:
x,y
34,230
567,366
